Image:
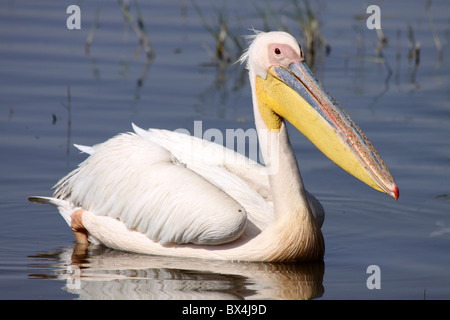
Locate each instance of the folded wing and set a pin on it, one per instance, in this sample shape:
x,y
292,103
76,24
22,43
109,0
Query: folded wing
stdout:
x,y
143,185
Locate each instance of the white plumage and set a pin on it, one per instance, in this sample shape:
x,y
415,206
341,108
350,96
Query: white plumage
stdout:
x,y
134,180
168,193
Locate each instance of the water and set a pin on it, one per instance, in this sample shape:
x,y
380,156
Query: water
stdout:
x,y
53,95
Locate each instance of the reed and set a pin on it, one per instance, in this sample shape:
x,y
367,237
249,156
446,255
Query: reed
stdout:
x,y
90,37
228,46
414,47
436,40
138,27
309,27
306,24
68,107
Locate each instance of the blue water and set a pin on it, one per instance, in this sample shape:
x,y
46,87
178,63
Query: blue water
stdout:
x,y
52,94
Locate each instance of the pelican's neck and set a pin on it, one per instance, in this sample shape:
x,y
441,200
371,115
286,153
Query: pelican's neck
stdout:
x,y
286,185
294,232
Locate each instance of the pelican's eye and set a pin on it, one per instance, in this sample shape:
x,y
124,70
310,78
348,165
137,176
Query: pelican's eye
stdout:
x,y
277,51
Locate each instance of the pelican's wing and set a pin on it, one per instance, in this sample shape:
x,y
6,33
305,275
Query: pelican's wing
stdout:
x,y
146,187
242,178
194,151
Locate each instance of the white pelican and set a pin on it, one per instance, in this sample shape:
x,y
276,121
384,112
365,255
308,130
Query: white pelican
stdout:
x,y
165,193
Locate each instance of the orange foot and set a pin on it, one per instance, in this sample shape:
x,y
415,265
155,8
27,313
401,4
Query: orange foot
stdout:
x,y
80,233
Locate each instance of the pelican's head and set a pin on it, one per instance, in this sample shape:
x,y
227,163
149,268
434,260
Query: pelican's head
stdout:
x,y
285,88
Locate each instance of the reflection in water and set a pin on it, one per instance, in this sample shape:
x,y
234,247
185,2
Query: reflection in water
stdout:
x,y
96,272
143,43
223,92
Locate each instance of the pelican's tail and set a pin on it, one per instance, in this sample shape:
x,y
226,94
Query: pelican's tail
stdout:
x,y
64,207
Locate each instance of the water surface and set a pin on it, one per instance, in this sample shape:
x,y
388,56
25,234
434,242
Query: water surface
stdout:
x,y
54,94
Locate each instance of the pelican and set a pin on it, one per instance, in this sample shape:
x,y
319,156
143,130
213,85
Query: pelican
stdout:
x,y
166,193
